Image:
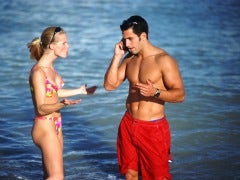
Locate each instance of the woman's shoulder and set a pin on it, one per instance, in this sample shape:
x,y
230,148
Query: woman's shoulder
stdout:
x,y
37,71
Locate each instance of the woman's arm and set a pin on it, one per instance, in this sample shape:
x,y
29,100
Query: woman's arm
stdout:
x,y
72,92
42,107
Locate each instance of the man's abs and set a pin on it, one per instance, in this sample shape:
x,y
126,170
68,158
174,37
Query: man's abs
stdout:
x,y
145,108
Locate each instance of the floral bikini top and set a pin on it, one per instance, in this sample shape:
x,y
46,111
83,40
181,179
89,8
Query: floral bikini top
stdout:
x,y
50,88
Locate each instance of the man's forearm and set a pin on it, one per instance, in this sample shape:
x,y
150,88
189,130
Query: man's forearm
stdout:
x,y
172,96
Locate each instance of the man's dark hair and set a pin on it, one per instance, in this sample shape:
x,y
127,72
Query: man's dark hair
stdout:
x,y
137,23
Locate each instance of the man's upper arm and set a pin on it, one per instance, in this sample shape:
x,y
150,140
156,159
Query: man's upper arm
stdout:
x,y
171,74
113,80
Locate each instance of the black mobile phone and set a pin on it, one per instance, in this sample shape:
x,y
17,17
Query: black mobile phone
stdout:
x,y
124,45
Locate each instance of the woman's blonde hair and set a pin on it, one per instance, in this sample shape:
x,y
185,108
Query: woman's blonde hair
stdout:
x,y
39,44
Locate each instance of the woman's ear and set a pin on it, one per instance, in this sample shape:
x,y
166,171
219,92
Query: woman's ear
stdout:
x,y
51,46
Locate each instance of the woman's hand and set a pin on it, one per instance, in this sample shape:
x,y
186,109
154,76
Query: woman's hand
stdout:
x,y
82,89
68,102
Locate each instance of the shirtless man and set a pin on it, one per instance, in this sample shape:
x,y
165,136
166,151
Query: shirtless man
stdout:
x,y
143,144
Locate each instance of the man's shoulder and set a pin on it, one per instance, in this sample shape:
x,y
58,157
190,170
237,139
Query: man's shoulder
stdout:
x,y
163,56
128,57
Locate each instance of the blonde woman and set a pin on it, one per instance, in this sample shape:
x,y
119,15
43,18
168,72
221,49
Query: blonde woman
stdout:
x,y
46,89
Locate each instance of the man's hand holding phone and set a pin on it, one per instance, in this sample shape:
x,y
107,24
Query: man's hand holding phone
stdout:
x,y
124,47
120,48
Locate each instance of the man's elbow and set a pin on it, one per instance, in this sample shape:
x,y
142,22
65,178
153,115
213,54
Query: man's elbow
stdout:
x,y
108,87
181,97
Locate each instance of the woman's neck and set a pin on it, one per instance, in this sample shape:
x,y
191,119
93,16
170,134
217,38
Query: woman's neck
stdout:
x,y
47,60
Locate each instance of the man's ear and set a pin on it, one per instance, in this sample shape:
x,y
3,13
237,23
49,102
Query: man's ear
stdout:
x,y
143,36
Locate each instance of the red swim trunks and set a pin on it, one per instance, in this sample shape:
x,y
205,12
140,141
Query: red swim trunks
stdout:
x,y
144,146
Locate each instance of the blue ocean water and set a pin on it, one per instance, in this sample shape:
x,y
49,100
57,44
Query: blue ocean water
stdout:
x,y
204,38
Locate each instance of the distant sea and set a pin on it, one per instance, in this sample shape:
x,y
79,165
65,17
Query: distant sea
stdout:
x,y
204,38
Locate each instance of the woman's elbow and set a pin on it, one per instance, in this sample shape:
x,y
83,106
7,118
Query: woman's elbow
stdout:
x,y
40,111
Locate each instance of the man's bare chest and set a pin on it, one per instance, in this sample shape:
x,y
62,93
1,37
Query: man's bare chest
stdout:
x,y
141,71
